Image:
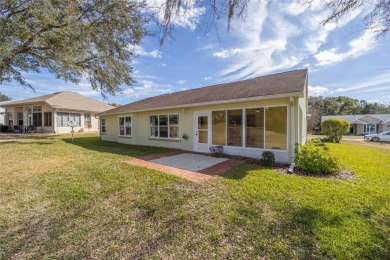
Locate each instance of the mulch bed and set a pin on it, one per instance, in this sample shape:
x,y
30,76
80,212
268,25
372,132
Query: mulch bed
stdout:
x,y
344,174
282,168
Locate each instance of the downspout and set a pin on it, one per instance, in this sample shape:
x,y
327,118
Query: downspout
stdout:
x,y
99,126
292,129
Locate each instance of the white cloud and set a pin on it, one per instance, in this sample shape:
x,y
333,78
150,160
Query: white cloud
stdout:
x,y
381,79
188,16
147,88
224,54
357,47
181,82
317,90
208,46
207,78
275,37
162,65
139,50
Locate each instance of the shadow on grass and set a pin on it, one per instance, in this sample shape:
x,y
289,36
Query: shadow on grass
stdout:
x,y
239,172
25,143
95,144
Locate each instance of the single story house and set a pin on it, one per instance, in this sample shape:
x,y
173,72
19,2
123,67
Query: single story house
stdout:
x,y
365,124
245,117
2,116
51,113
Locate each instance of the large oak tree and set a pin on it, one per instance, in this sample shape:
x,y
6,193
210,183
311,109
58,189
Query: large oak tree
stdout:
x,y
71,39
93,39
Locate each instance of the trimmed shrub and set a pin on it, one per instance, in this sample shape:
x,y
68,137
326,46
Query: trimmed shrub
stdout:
x,y
3,128
334,128
267,158
315,157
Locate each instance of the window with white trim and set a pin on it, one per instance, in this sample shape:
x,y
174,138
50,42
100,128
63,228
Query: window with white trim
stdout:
x,y
64,118
87,120
164,126
37,115
47,116
263,127
125,126
103,125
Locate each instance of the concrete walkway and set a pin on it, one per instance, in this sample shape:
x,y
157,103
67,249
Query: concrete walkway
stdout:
x,y
188,161
191,166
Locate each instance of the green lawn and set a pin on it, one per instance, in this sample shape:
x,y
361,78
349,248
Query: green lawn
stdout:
x,y
63,200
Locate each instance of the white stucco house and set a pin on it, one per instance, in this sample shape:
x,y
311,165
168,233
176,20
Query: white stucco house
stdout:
x,y
246,117
51,113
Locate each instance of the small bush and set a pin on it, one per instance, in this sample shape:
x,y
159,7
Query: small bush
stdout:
x,y
327,139
3,128
268,158
335,128
315,157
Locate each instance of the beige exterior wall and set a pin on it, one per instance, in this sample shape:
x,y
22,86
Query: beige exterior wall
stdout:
x,y
82,127
141,127
27,119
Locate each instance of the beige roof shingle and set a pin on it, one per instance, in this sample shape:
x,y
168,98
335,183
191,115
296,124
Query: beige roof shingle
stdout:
x,y
282,83
65,100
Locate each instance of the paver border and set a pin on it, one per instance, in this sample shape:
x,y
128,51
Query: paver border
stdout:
x,y
199,176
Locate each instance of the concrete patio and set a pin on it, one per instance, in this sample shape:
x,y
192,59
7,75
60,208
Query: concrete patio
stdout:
x,y
191,166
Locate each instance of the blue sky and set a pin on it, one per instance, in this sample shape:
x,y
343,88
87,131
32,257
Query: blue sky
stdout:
x,y
343,59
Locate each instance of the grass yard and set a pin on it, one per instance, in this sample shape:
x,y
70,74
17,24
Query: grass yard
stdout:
x,y
63,200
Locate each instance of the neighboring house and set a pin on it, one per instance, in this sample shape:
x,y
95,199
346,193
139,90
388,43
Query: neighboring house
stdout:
x,y
365,124
51,113
2,116
245,117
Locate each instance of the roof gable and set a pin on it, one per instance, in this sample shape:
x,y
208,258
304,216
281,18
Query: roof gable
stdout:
x,y
65,100
366,119
291,82
370,119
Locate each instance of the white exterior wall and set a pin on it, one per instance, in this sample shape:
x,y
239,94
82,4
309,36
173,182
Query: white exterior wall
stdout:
x,y
386,127
2,116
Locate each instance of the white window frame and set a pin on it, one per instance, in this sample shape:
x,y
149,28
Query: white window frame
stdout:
x,y
169,125
86,122
45,123
36,111
244,126
103,124
130,126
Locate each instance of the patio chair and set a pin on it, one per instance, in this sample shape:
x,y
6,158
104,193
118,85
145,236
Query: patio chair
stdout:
x,y
10,129
30,129
16,129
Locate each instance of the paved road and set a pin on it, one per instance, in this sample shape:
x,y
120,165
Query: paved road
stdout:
x,y
344,138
